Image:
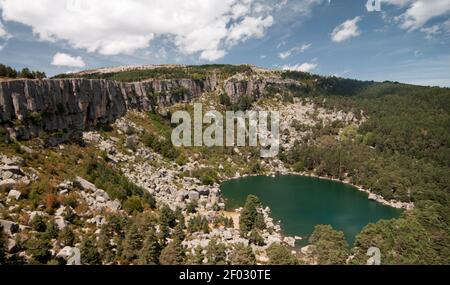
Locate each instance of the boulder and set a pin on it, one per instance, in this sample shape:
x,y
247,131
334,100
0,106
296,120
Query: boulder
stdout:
x,y
13,169
203,190
60,222
14,195
194,196
11,246
114,206
8,184
12,160
36,213
9,227
84,184
7,175
290,241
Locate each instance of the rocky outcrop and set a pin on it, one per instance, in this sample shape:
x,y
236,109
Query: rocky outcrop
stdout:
x,y
59,110
254,87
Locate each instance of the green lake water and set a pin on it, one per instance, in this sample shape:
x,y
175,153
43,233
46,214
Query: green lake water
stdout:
x,y
301,202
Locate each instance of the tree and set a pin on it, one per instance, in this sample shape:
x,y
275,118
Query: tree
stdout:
x,y
149,200
89,252
197,257
242,255
26,73
329,245
38,246
66,236
280,255
216,253
250,217
132,243
178,233
133,205
191,208
151,250
104,244
255,238
38,223
167,217
172,254
52,230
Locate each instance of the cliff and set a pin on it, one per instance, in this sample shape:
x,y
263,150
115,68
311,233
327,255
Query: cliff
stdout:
x,y
59,110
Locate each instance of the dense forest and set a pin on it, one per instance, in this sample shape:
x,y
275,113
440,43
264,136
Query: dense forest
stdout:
x,y
402,151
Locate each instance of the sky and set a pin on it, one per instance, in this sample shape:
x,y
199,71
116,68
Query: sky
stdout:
x,y
397,40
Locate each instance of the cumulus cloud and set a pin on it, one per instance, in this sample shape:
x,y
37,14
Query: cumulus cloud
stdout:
x,y
63,59
304,67
110,27
299,49
347,30
419,12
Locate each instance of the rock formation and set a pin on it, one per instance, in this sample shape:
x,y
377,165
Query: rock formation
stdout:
x,y
61,109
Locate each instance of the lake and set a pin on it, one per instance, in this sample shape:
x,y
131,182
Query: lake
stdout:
x,y
301,202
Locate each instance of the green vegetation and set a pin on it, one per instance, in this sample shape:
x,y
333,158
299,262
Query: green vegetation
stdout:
x,y
177,72
329,245
402,152
25,73
118,186
281,255
243,255
251,218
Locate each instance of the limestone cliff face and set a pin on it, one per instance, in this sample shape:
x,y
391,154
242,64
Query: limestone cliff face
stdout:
x,y
255,87
66,107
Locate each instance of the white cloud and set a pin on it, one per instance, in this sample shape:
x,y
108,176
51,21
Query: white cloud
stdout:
x,y
431,31
110,27
288,53
347,30
3,32
63,59
419,12
304,67
248,28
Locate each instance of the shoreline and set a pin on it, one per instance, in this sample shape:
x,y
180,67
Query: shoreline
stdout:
x,y
372,196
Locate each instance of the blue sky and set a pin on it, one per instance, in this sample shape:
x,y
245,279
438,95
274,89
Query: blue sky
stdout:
x,y
407,41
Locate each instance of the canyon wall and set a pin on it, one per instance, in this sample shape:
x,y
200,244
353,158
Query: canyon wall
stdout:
x,y
59,110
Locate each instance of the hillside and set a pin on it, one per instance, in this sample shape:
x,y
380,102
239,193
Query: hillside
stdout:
x,y
87,160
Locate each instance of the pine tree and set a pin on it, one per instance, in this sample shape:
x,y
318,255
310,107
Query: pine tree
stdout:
x,y
172,254
151,250
167,217
281,255
38,246
216,253
38,223
67,237
89,253
250,217
198,256
132,243
329,246
52,230
242,255
178,233
104,245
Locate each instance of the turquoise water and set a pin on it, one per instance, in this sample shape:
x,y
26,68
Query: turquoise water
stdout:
x,y
301,202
